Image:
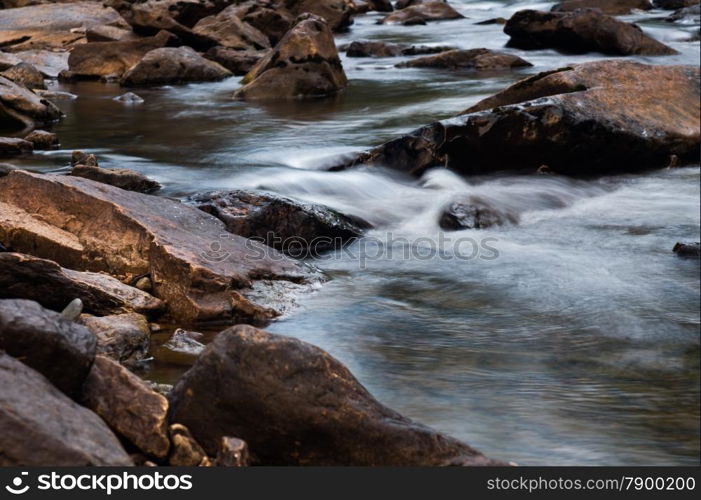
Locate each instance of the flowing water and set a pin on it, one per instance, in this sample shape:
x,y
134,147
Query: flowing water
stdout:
x,y
570,338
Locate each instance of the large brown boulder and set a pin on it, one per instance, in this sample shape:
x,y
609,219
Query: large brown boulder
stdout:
x,y
265,16
477,59
420,13
611,7
580,31
337,13
20,108
58,348
296,405
40,426
173,65
200,271
123,178
228,30
126,338
304,63
588,119
25,74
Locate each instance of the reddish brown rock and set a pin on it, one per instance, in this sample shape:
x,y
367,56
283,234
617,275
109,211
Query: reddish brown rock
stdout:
x,y
14,146
20,108
125,338
123,178
420,13
25,74
173,65
232,452
228,30
477,59
384,49
266,17
337,13
41,139
186,452
239,62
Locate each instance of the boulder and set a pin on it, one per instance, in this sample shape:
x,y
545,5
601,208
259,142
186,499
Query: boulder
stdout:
x,y
384,49
123,178
337,13
41,139
200,271
126,338
687,249
611,7
476,59
101,59
595,118
304,63
296,405
182,348
128,405
421,13
173,65
59,349
50,63
23,109
40,426
232,452
581,31
25,74
473,213
239,62
282,223
229,31
266,17
186,452
14,146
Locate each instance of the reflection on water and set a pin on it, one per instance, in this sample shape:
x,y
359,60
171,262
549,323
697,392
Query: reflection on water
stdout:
x,y
579,344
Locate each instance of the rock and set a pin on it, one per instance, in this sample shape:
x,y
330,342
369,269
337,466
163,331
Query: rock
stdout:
x,y
296,405
283,223
263,15
53,25
473,213
185,450
73,310
421,13
687,15
125,338
337,13
50,63
42,427
104,33
304,64
380,5
22,108
595,118
494,20
14,146
229,31
59,349
688,249
611,7
27,277
123,178
56,95
199,273
239,62
128,406
41,139
383,49
25,74
6,168
7,60
403,4
162,389
232,452
144,284
581,31
129,98
477,59
674,4
173,65
182,348
101,59
82,158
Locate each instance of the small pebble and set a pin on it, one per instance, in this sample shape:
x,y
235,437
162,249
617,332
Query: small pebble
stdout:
x,y
73,310
144,284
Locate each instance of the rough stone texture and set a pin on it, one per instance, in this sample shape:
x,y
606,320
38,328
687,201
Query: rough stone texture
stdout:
x,y
688,249
182,348
5,169
40,426
123,178
232,452
59,349
589,119
125,338
25,74
41,139
104,33
266,17
50,63
580,31
304,64
228,30
477,59
611,7
173,65
364,48
296,405
185,450
239,62
473,213
200,274
337,13
420,13
14,146
282,223
23,109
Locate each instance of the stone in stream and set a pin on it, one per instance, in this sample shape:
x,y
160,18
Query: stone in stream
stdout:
x,y
420,13
476,59
123,178
282,223
40,426
129,98
27,277
228,30
687,15
674,4
304,63
363,48
296,405
687,249
50,63
239,62
182,348
5,169
271,20
173,65
125,337
25,74
56,347
199,270
41,139
594,118
185,451
14,146
611,7
232,452
128,405
20,108
581,31
337,13
474,213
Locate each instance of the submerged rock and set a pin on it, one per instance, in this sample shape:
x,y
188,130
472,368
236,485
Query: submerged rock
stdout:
x,y
420,13
611,7
173,65
123,178
129,98
581,31
21,108
477,59
474,213
687,249
384,49
41,139
125,338
25,74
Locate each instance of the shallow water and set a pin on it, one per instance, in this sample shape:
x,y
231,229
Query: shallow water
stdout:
x,y
570,338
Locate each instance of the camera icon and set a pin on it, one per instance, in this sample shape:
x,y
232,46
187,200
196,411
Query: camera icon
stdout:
x,y
16,488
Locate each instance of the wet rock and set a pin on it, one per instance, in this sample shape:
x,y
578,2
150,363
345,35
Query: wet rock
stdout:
x,y
49,62
283,223
14,146
186,452
688,249
162,389
201,275
129,98
337,13
6,168
58,348
41,139
477,59
239,62
581,31
128,406
25,74
588,119
421,13
232,452
173,65
82,158
101,59
304,64
123,178
73,310
271,20
383,49
21,108
228,30
611,7
182,348
296,405
123,337
27,277
56,95
473,213
687,15
42,427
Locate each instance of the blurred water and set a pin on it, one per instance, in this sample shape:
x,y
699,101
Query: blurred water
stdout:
x,y
577,344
